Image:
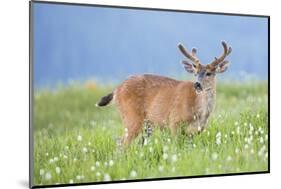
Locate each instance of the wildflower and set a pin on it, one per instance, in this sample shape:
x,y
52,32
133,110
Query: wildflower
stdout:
x,y
85,150
58,170
56,158
218,135
174,158
89,143
106,177
168,140
70,181
93,168
47,154
78,177
218,141
245,124
105,164
66,147
51,161
145,142
79,137
41,172
252,151
161,168
111,163
165,156
98,174
74,159
133,174
97,163
194,145
236,123
236,150
229,158
48,176
246,146
238,130
258,115
261,140
65,156
215,156
150,149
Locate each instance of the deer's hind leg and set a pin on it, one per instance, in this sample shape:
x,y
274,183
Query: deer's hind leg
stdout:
x,y
133,120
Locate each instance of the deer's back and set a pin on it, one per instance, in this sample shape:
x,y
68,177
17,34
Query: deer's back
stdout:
x,y
154,97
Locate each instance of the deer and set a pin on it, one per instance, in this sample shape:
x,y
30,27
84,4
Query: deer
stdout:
x,y
168,102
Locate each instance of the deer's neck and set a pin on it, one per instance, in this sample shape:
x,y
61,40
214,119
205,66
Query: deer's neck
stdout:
x,y
211,96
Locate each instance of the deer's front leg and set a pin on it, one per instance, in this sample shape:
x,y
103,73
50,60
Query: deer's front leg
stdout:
x,y
194,128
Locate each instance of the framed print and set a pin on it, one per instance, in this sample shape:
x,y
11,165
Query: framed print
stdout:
x,y
127,94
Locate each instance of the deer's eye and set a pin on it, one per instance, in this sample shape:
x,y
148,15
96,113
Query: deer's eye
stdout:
x,y
208,74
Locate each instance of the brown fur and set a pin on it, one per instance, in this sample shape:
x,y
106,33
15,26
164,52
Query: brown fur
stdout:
x,y
160,100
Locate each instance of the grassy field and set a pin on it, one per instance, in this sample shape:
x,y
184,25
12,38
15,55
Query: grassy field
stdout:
x,y
75,142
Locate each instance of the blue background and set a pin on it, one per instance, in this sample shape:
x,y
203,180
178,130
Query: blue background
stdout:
x,y
108,44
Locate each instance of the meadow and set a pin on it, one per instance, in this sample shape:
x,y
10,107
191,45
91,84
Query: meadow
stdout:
x,y
76,142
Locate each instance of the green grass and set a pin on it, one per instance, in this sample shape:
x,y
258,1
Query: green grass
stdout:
x,y
76,142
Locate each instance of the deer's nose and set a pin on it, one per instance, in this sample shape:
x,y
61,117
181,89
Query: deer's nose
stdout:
x,y
198,86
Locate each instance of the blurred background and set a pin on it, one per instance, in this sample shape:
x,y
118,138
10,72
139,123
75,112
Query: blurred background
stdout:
x,y
106,45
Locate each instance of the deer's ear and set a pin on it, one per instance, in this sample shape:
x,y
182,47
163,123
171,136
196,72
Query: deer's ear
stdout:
x,y
188,67
222,67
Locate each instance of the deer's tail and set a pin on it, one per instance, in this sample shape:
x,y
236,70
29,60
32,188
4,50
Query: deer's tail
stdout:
x,y
105,100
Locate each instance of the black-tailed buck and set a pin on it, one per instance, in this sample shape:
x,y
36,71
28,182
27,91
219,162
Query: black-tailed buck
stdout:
x,y
169,102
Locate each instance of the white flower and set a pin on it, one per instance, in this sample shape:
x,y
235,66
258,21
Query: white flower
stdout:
x,y
236,123
85,150
74,159
58,170
229,158
150,149
245,124
70,181
47,154
168,140
218,141
78,177
174,158
261,140
48,176
111,163
252,151
41,172
133,174
106,177
238,130
51,161
56,158
89,143
215,156
79,137
105,164
236,150
258,115
66,147
194,145
97,163
246,146
65,156
93,168
218,135
98,174
165,156
160,168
